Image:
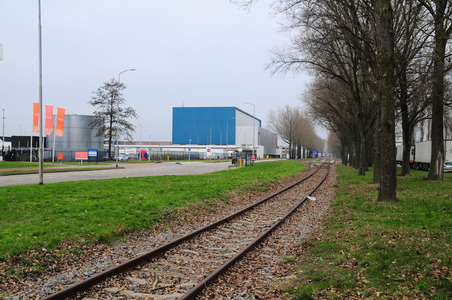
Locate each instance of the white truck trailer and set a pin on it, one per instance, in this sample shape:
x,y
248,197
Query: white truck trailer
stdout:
x,y
399,155
423,152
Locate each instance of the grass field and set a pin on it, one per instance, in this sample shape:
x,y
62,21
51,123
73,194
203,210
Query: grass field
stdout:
x,y
26,165
11,168
374,250
33,216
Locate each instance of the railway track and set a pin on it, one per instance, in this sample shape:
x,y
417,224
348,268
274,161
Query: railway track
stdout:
x,y
182,268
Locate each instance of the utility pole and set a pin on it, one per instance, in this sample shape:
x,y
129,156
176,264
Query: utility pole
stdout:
x,y
3,141
41,151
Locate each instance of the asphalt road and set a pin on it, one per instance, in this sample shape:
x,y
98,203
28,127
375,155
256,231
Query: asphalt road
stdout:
x,y
125,170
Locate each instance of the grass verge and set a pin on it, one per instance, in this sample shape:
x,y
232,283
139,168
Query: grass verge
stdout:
x,y
35,217
26,165
373,250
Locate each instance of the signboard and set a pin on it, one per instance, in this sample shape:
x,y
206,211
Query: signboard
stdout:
x,y
208,150
81,155
92,152
314,152
60,155
143,155
253,156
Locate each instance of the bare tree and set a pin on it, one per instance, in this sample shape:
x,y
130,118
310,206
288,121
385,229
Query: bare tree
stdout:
x,y
285,122
110,116
441,11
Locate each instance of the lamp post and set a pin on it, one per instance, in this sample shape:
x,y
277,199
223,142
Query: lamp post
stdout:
x,y
227,131
41,150
149,157
140,142
189,150
254,120
119,85
3,140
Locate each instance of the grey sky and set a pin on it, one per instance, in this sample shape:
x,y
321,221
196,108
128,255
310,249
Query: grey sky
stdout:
x,y
201,52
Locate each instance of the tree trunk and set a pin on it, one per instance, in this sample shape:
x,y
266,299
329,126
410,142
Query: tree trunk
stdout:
x,y
437,159
388,183
344,152
407,137
363,158
377,147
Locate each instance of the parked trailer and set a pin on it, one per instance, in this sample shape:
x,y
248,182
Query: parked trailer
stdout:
x,y
399,155
423,152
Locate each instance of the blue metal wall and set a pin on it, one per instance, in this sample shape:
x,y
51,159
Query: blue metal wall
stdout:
x,y
197,123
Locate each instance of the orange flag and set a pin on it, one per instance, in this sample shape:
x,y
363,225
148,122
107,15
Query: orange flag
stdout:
x,y
60,122
35,117
49,119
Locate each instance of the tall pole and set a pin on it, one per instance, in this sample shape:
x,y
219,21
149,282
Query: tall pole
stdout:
x,y
41,152
119,85
189,150
20,130
149,157
227,130
3,123
254,120
140,141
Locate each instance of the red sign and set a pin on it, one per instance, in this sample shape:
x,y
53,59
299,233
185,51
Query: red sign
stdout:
x,y
81,155
253,156
60,155
208,150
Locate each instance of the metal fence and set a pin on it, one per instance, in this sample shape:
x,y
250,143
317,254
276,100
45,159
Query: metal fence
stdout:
x,y
23,154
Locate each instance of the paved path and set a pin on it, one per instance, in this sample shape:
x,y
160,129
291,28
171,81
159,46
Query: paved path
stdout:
x,y
125,170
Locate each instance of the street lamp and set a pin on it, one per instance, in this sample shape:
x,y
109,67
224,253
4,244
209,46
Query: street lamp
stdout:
x,y
3,140
189,150
254,120
227,131
140,142
149,157
41,150
117,145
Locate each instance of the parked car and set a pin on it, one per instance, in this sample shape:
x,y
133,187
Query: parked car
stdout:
x,y
123,157
448,166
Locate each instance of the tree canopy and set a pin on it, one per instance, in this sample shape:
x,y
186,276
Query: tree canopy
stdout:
x,y
111,116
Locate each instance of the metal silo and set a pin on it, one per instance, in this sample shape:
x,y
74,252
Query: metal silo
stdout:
x,y
77,136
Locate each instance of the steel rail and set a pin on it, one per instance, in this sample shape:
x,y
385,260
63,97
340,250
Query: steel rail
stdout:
x,y
81,286
192,293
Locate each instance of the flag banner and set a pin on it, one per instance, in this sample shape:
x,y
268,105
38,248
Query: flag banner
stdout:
x,y
49,121
60,122
35,117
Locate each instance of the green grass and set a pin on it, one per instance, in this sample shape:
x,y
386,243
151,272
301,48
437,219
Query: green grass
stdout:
x,y
383,250
26,165
35,217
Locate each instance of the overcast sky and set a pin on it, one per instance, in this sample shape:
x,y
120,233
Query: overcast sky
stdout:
x,y
199,52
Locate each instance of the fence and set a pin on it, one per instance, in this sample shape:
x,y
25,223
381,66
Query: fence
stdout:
x,y
23,154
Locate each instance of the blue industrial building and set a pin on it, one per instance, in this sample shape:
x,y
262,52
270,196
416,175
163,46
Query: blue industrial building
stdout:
x,y
207,125
220,126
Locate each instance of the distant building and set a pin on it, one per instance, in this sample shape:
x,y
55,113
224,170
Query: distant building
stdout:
x,y
225,127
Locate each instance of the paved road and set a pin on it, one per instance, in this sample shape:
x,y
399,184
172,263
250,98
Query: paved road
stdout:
x,y
125,170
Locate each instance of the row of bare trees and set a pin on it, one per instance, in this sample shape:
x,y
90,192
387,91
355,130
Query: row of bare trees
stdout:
x,y
295,129
374,62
